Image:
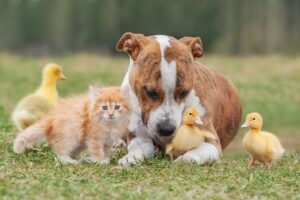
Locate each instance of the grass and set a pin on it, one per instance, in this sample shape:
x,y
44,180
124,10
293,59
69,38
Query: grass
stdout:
x,y
269,85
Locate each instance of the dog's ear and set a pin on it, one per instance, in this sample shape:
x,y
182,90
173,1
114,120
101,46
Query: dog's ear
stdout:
x,y
132,44
195,44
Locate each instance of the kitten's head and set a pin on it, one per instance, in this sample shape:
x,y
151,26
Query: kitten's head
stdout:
x,y
109,104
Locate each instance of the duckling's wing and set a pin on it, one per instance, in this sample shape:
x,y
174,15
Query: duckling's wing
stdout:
x,y
208,135
274,148
35,104
29,110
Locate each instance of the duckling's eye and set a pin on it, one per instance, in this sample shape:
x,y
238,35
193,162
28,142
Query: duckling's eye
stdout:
x,y
56,72
253,118
190,113
117,107
104,107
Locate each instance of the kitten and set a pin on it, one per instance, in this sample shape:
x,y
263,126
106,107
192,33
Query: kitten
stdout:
x,y
93,122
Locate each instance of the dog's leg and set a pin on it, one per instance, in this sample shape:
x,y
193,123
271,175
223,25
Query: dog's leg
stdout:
x,y
216,142
206,152
138,149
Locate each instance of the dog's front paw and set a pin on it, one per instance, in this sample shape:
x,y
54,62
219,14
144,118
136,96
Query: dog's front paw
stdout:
x,y
188,158
131,158
179,159
204,153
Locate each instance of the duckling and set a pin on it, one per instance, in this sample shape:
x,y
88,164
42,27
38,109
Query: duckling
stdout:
x,y
188,136
262,146
32,107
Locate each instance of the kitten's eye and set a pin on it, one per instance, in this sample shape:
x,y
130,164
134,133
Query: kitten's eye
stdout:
x,y
253,118
190,113
152,94
183,94
104,107
117,107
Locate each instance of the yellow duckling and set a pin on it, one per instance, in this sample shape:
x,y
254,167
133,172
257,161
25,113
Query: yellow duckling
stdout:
x,y
188,135
32,107
262,146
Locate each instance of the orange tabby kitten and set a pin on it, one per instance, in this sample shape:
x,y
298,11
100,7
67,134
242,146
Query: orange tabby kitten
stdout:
x,y
93,122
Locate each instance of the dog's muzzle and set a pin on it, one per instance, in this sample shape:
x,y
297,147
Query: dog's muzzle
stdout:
x,y
166,128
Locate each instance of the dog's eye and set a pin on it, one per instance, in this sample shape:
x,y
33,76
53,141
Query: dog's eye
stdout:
x,y
104,107
183,94
152,94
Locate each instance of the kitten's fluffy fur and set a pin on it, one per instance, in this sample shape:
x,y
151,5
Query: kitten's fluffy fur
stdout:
x,y
93,122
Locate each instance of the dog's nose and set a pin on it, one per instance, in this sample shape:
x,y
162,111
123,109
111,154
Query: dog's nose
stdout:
x,y
165,128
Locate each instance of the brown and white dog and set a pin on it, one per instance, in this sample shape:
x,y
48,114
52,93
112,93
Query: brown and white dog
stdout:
x,y
164,79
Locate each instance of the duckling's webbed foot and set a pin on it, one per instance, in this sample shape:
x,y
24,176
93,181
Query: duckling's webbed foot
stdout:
x,y
270,164
251,163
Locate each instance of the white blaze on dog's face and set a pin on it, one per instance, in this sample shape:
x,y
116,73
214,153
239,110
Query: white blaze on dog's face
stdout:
x,y
166,117
161,78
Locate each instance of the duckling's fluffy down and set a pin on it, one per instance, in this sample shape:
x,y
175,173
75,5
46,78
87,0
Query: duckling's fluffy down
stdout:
x,y
29,110
263,146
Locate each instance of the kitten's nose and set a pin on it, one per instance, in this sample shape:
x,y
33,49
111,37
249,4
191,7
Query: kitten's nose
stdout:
x,y
110,112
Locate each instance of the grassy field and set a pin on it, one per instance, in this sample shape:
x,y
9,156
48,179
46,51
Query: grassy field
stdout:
x,y
269,85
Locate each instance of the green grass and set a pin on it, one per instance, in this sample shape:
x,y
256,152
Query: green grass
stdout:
x,y
39,175
269,85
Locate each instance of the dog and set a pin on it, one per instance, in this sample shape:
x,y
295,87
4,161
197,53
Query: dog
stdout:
x,y
164,79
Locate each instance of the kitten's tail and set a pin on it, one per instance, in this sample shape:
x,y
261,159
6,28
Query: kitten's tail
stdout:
x,y
27,137
23,119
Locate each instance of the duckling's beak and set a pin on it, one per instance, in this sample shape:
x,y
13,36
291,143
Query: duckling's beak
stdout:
x,y
245,124
63,77
198,121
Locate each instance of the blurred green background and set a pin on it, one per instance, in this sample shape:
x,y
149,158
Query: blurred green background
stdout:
x,y
43,27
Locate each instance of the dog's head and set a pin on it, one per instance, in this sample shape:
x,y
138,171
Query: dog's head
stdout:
x,y
161,77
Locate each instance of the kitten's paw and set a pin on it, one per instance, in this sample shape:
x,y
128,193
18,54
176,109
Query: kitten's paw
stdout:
x,y
33,148
105,161
119,143
90,159
131,158
67,160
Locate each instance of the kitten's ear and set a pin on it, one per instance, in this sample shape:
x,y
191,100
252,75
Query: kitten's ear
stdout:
x,y
125,91
93,93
